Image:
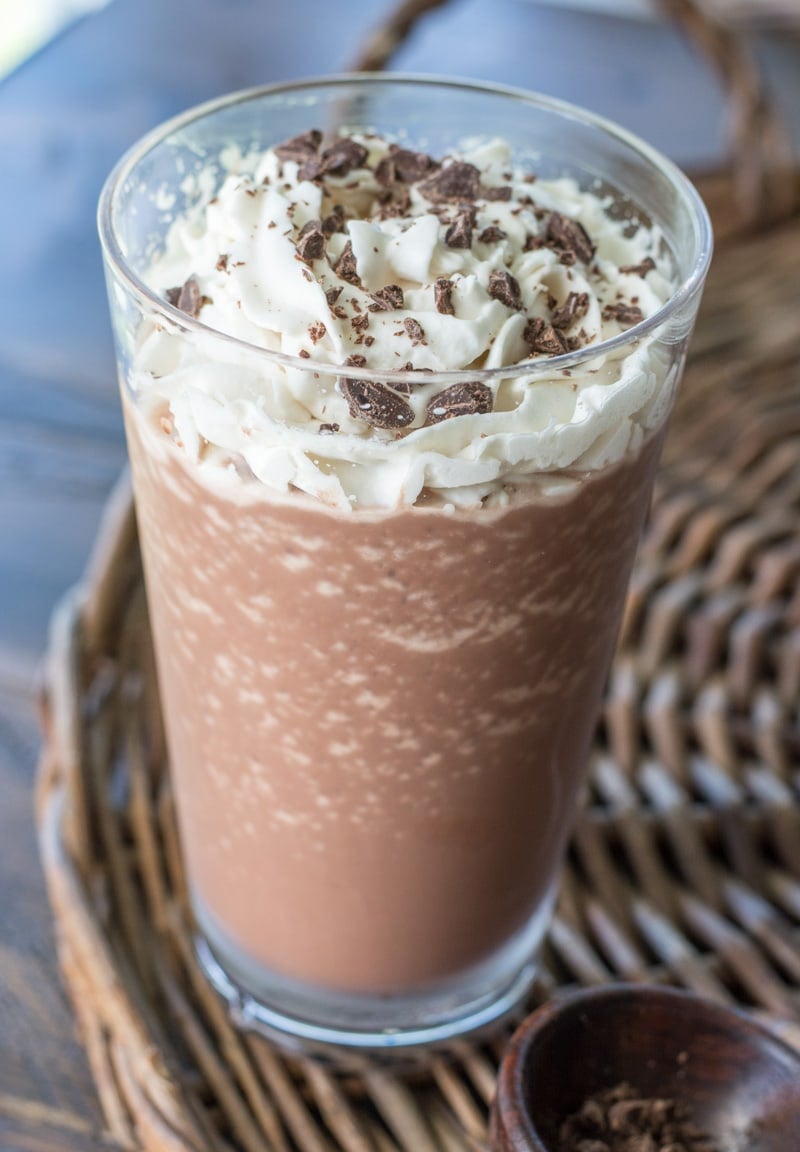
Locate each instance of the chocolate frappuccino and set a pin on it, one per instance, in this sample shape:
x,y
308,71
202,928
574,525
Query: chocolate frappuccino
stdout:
x,y
393,437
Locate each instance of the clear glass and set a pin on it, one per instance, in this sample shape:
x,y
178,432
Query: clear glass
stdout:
x,y
378,718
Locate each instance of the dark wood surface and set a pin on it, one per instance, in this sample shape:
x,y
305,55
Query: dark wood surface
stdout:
x,y
65,117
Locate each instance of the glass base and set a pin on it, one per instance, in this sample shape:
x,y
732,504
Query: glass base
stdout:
x,y
304,1018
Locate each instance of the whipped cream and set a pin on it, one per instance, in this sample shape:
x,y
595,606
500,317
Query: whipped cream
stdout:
x,y
374,260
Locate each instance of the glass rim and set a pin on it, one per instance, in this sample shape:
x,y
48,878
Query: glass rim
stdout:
x,y
686,289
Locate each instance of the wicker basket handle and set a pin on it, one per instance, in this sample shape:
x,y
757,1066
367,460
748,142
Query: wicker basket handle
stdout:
x,y
763,176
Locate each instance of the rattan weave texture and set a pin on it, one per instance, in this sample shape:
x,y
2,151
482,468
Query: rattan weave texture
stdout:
x,y
684,868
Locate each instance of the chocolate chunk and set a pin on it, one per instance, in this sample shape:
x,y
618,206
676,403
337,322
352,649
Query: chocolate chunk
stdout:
x,y
311,241
574,308
414,330
342,157
299,148
569,236
459,234
504,287
335,221
328,429
317,332
625,314
387,299
360,323
647,265
543,337
469,399
376,404
345,267
404,166
492,235
503,193
457,183
391,204
332,295
443,296
188,297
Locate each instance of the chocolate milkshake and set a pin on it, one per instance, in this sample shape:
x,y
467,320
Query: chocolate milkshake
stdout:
x,y
393,431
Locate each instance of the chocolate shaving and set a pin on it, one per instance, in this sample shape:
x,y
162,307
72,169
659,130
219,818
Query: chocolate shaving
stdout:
x,y
334,222
360,323
459,234
222,262
299,148
404,167
469,399
620,1119
457,183
393,204
504,287
574,308
328,429
332,295
543,337
341,158
414,330
345,267
570,237
311,241
386,299
376,404
492,235
625,314
443,296
503,193
317,332
188,297
647,265
356,360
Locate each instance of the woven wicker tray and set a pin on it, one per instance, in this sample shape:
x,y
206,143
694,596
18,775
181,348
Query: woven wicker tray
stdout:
x,y
685,865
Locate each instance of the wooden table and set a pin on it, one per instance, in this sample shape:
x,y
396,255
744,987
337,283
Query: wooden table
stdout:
x,y
64,119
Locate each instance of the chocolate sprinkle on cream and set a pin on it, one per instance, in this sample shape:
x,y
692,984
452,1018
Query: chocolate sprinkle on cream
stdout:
x,y
574,308
375,404
459,234
443,296
414,330
455,184
311,241
335,222
328,429
569,236
469,399
317,332
505,288
503,193
299,148
626,314
342,157
332,295
387,299
222,263
188,297
345,267
404,167
492,235
647,265
543,337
